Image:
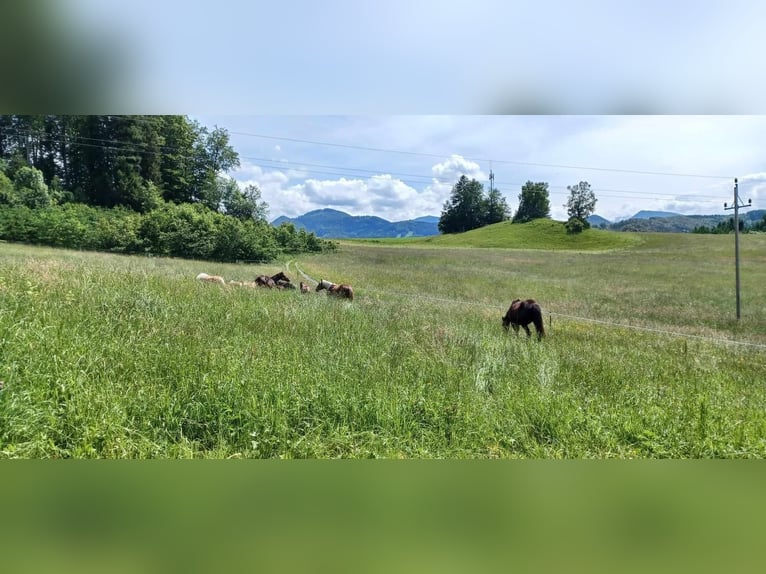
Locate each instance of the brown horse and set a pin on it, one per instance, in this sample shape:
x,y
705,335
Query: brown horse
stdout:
x,y
279,280
522,313
343,290
305,288
265,281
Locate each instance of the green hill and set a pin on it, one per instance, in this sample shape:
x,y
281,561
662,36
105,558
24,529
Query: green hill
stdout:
x,y
537,234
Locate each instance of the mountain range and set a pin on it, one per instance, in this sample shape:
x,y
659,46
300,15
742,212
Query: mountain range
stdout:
x,y
330,223
667,221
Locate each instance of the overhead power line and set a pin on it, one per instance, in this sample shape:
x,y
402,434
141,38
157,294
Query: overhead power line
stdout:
x,y
484,160
346,171
475,159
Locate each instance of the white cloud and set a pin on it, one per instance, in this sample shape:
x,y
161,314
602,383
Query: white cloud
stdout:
x,y
753,186
381,194
522,148
456,166
335,193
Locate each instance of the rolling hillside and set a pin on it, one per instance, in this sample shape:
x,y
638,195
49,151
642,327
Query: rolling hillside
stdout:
x,y
537,234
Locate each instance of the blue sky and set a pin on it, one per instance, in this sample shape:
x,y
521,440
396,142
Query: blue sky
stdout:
x,y
425,77
402,166
433,57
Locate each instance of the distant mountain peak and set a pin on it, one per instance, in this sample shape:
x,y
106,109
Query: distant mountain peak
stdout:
x,y
646,214
597,220
326,210
331,223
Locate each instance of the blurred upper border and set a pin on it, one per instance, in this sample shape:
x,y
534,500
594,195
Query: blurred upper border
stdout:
x,y
397,57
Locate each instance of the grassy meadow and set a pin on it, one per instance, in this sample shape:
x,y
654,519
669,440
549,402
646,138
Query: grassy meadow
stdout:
x,y
110,356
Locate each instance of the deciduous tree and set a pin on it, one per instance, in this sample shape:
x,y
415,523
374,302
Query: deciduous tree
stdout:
x,y
534,202
582,201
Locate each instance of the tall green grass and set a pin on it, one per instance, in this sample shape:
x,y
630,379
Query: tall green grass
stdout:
x,y
128,357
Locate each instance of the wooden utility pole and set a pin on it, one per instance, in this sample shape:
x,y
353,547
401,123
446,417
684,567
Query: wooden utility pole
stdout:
x,y
736,208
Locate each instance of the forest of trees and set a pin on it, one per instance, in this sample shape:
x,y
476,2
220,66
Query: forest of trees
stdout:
x,y
140,173
727,226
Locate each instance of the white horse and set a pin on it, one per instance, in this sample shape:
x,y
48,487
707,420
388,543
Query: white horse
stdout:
x,y
211,278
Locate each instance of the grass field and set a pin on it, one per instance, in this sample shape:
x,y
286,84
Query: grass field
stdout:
x,y
537,234
128,357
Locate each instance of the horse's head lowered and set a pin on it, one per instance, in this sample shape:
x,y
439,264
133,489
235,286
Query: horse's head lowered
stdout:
x,y
280,277
324,284
511,310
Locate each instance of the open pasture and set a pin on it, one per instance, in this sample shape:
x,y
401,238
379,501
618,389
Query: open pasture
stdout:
x,y
130,357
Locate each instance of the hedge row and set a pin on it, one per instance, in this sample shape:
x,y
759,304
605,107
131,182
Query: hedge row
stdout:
x,y
185,230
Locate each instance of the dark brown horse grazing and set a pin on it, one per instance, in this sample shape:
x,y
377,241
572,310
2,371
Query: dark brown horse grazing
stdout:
x,y
280,277
522,313
282,281
342,290
265,281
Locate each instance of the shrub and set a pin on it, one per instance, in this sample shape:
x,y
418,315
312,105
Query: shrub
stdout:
x,y
576,225
185,230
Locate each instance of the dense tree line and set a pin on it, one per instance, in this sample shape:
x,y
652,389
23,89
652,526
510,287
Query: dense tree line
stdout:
x,y
150,166
185,230
727,226
131,161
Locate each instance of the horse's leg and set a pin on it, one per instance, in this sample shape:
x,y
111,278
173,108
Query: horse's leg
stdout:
x,y
526,328
515,327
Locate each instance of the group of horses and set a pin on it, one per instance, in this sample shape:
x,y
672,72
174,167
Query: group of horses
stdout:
x,y
282,281
519,315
